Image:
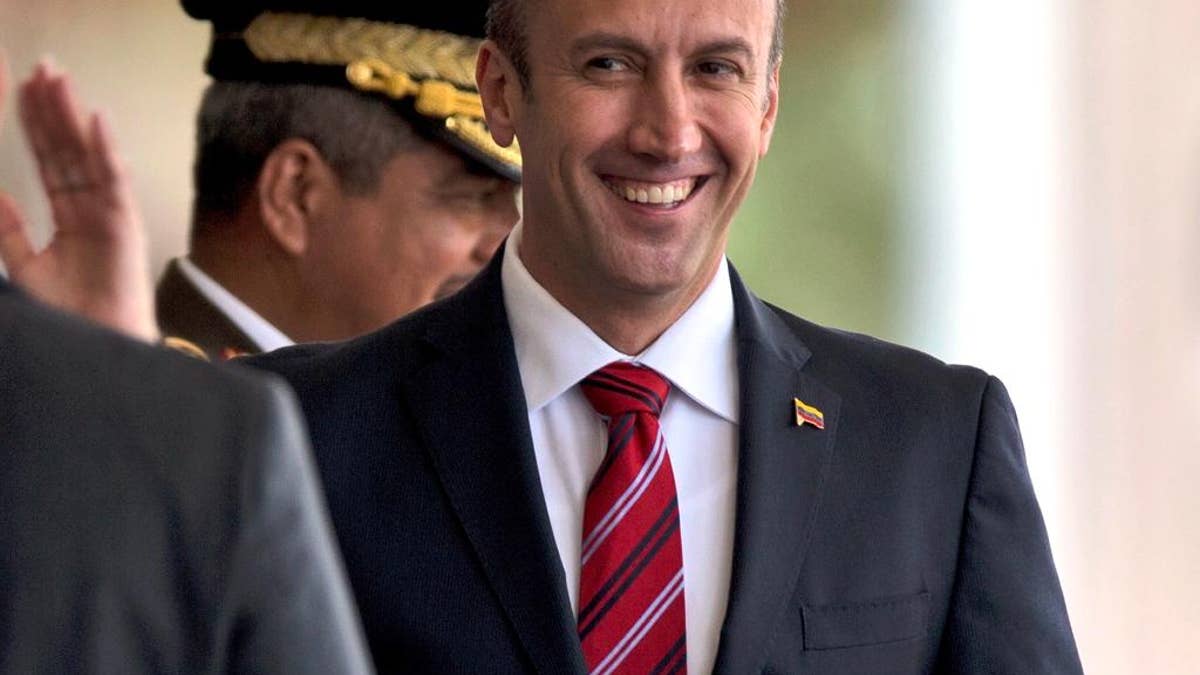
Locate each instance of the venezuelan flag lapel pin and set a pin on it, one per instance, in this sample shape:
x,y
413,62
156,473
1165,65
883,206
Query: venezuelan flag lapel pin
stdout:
x,y
807,414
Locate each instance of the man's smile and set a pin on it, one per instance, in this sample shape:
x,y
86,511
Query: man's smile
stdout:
x,y
665,195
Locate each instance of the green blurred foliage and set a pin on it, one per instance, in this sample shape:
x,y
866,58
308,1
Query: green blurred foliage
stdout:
x,y
817,232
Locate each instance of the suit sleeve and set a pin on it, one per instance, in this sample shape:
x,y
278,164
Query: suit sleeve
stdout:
x,y
295,612
1007,613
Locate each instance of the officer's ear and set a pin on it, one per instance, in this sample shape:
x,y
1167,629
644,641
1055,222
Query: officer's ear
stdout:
x,y
294,182
501,91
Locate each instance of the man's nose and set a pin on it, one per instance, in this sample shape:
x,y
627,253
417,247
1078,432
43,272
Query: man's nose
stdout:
x,y
664,122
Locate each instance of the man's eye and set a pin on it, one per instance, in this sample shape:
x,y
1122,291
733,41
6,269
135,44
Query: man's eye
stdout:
x,y
717,68
608,63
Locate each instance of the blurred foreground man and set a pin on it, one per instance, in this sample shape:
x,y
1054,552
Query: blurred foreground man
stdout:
x,y
344,175
158,516
616,458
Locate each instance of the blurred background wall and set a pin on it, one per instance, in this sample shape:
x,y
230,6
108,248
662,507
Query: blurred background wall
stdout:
x,y
1014,185
139,61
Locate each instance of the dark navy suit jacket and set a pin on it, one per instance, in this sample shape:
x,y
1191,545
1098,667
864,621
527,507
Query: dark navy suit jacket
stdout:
x,y
902,538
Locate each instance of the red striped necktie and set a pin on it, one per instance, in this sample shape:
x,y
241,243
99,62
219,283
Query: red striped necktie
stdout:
x,y
631,613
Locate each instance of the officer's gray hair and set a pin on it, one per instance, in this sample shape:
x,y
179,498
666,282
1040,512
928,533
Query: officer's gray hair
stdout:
x,y
506,26
240,123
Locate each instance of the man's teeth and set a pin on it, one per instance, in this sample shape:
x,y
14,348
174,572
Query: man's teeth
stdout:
x,y
653,193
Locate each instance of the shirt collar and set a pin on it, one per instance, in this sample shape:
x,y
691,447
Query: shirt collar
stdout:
x,y
250,322
555,349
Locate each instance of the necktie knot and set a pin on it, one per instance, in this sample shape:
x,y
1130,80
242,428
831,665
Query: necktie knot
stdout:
x,y
622,387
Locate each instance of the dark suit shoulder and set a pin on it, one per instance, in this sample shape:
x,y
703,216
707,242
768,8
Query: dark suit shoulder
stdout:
x,y
926,502
73,358
146,488
366,365
327,368
162,423
360,380
892,370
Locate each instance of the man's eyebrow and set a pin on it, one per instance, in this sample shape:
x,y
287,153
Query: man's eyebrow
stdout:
x,y
727,46
602,39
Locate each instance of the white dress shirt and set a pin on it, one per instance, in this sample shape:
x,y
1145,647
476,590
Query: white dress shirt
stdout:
x,y
259,330
555,350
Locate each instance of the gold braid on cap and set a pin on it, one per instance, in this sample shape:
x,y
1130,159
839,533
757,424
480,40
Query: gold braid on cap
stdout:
x,y
435,68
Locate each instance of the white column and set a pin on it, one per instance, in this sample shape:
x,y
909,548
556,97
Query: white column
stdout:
x,y
1055,208
985,287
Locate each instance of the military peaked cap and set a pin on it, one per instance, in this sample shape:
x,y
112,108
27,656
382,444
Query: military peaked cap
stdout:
x,y
418,55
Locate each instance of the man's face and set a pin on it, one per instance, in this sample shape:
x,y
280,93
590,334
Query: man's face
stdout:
x,y
429,228
641,131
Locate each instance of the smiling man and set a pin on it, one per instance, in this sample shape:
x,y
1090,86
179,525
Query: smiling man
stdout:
x,y
607,455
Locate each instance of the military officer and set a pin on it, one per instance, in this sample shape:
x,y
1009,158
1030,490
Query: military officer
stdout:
x,y
344,175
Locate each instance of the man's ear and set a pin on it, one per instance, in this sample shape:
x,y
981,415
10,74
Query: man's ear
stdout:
x,y
293,186
770,113
501,92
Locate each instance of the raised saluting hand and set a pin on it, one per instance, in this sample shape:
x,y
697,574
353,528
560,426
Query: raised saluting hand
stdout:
x,y
95,264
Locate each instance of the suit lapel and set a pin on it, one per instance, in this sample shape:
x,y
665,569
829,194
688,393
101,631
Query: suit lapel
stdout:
x,y
781,470
470,408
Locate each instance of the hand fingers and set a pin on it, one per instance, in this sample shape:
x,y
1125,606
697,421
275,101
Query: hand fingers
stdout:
x,y
56,132
110,170
104,160
65,123
15,247
64,133
72,150
29,107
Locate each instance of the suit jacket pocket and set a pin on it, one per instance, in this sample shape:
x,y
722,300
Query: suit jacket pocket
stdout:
x,y
866,623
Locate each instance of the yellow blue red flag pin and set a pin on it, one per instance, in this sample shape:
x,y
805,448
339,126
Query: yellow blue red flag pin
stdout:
x,y
807,414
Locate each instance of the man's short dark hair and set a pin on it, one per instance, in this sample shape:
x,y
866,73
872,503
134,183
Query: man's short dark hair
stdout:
x,y
240,123
506,27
